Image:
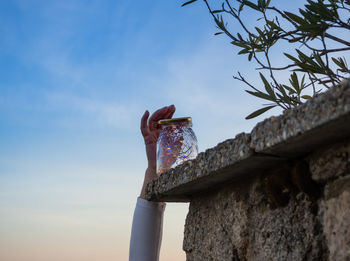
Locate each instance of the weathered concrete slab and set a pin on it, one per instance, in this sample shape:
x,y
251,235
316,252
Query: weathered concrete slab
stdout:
x,y
228,161
323,120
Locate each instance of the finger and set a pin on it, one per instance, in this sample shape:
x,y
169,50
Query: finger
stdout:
x,y
144,127
171,112
156,116
158,113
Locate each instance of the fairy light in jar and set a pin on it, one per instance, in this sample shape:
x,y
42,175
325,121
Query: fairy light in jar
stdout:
x,y
176,143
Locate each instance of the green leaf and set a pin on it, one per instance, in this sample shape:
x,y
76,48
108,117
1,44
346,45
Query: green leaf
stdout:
x,y
220,22
307,59
273,25
314,29
319,60
306,97
337,62
250,56
258,112
261,95
285,99
295,18
290,90
295,82
296,39
240,44
291,57
302,84
243,51
189,2
251,5
341,64
309,69
259,31
267,86
240,8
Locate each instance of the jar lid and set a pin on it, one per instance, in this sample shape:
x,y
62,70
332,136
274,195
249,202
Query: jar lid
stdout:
x,y
175,120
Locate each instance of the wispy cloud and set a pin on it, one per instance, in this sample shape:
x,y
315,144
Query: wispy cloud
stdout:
x,y
92,112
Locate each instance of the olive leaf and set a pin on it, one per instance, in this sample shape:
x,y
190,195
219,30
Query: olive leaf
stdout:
x,y
313,66
258,112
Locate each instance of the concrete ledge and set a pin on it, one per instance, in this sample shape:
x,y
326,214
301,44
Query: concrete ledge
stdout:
x,y
322,120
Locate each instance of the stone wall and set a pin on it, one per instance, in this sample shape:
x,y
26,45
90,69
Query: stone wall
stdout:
x,y
331,169
281,192
241,222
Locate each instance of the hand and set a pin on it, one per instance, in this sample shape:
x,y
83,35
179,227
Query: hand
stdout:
x,y
150,130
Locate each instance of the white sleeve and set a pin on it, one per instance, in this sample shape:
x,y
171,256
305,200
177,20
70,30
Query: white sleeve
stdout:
x,y
146,232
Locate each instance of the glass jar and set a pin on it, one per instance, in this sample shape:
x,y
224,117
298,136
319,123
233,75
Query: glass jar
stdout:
x,y
176,143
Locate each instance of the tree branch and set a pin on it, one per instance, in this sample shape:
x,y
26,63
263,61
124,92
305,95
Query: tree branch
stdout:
x,y
334,38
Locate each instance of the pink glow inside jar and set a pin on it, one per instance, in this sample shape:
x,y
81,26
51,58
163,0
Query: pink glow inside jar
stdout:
x,y
176,143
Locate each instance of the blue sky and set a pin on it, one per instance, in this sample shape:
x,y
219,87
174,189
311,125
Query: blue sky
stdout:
x,y
75,78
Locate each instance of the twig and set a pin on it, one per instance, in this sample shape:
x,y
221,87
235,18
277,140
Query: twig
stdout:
x,y
334,38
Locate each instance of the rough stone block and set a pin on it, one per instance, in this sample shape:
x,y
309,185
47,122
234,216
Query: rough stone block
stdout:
x,y
331,162
337,187
236,223
336,222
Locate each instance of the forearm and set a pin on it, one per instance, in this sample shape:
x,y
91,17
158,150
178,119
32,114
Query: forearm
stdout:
x,y
150,174
146,234
151,171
